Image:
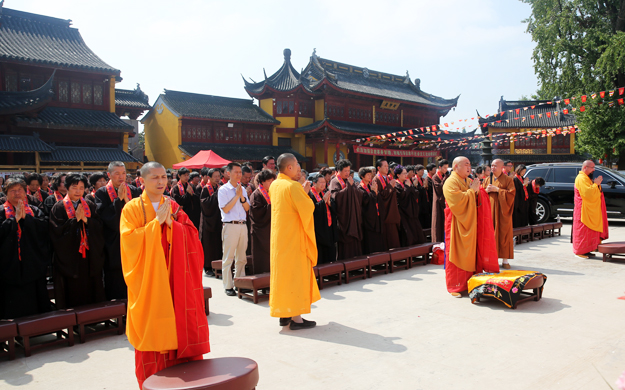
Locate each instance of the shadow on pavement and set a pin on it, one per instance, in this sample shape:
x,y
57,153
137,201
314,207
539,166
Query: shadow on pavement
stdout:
x,y
217,319
544,306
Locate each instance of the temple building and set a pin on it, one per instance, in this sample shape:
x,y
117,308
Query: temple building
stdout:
x,y
180,124
57,99
129,105
532,132
323,109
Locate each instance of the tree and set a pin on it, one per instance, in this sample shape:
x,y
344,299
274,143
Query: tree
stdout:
x,y
580,49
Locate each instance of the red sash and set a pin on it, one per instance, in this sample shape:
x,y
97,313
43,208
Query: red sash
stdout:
x,y
211,190
264,192
366,187
382,180
535,187
223,180
439,174
113,194
9,212
36,195
524,187
319,199
57,196
341,181
180,188
401,184
71,213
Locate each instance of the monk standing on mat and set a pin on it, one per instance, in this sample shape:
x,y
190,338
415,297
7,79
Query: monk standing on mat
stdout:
x,y
590,219
469,234
501,190
162,260
293,248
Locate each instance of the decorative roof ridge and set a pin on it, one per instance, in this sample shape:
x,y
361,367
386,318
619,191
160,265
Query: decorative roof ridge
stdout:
x,y
34,17
224,98
137,92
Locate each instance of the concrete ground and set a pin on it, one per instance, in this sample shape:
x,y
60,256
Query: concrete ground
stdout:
x,y
400,331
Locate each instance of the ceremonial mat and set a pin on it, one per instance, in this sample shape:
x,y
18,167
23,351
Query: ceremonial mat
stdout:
x,y
505,286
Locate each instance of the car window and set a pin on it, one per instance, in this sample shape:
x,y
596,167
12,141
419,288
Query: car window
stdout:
x,y
606,176
565,175
537,172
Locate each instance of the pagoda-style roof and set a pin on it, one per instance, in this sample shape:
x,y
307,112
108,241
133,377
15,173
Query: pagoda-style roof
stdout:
x,y
239,152
23,143
90,155
347,78
198,106
529,114
43,40
73,119
20,102
129,98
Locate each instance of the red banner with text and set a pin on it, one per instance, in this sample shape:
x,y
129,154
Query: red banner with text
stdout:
x,y
394,152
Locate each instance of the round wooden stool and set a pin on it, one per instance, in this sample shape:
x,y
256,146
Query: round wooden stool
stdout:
x,y
230,373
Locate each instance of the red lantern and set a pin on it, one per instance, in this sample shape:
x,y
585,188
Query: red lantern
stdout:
x,y
600,161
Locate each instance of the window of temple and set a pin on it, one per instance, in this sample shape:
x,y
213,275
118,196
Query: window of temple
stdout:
x,y
10,81
97,95
285,107
76,92
63,93
360,114
87,93
306,108
25,83
335,112
286,142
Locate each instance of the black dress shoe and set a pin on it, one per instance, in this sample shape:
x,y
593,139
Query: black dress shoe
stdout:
x,y
285,321
230,292
304,325
243,290
209,272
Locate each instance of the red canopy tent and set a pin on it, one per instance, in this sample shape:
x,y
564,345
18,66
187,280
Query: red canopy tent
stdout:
x,y
204,158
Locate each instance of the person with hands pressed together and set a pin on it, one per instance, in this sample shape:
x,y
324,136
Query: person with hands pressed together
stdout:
x,y
348,201
211,225
324,216
371,223
260,217
186,195
410,230
387,201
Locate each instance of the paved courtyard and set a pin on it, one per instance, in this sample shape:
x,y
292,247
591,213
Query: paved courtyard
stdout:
x,y
400,331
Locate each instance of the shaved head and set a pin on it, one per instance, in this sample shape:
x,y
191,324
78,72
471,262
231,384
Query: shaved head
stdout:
x,y
588,167
147,167
588,163
285,160
458,160
497,162
462,166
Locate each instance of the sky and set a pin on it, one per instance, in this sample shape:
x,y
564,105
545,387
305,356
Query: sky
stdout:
x,y
477,49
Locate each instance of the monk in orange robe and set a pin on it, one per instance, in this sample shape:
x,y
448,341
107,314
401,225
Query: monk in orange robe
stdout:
x,y
293,247
501,190
590,218
162,261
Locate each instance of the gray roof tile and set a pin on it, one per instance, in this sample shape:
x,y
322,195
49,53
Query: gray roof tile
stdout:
x,y
82,154
23,143
74,119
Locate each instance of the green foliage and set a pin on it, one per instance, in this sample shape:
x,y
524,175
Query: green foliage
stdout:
x,y
580,49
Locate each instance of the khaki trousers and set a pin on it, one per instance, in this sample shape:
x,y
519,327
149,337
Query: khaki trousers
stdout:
x,y
234,238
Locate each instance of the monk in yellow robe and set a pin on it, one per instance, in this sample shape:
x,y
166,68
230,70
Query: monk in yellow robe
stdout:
x,y
162,261
293,248
501,191
590,219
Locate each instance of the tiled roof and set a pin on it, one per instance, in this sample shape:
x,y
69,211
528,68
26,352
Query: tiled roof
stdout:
x,y
196,105
348,78
82,154
543,112
18,102
43,40
131,98
23,143
239,152
74,119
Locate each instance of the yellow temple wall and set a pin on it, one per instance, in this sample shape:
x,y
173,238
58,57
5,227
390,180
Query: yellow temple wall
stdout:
x,y
162,136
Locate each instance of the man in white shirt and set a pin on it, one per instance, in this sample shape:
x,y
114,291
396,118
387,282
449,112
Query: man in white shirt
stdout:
x,y
233,204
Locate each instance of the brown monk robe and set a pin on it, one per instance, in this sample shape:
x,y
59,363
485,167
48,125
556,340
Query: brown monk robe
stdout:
x,y
260,217
347,201
371,224
210,225
501,193
410,232
438,202
387,202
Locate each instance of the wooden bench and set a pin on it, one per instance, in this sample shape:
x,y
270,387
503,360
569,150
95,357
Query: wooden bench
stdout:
x,y
537,232
379,262
522,234
253,283
232,373
557,226
612,249
355,265
400,258
420,251
208,294
8,333
548,232
97,313
217,264
329,273
60,322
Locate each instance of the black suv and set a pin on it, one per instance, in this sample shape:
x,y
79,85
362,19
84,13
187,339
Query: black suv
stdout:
x,y
557,195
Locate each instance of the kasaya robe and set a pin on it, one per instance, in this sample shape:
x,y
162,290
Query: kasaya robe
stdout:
x,y
590,219
425,204
190,203
389,213
502,204
260,217
469,236
293,250
347,202
438,208
23,290
48,203
166,323
77,280
532,203
371,224
520,214
110,212
410,231
210,227
325,234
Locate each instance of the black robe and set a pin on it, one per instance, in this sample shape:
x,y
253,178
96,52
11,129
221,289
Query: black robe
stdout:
x,y
77,280
410,231
532,203
347,202
210,227
190,203
371,225
260,217
520,217
325,235
48,203
438,209
110,213
34,201
389,214
23,290
425,204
